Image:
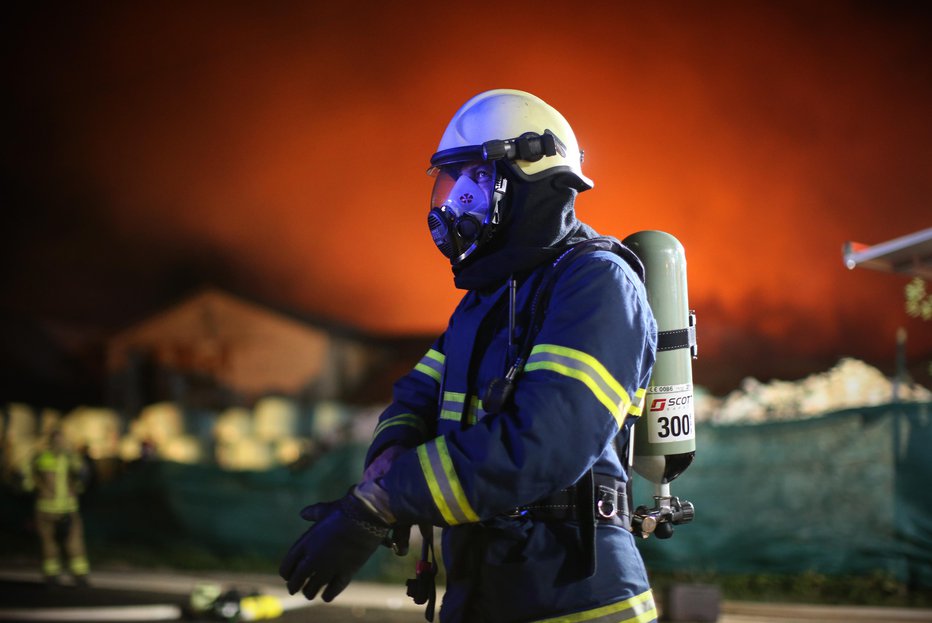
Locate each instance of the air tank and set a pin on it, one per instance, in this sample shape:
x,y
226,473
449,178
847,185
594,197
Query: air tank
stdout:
x,y
665,435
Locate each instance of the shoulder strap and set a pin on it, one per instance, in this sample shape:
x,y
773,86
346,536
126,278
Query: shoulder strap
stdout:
x,y
559,266
500,390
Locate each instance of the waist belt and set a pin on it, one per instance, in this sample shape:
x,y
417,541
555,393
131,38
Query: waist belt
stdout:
x,y
610,501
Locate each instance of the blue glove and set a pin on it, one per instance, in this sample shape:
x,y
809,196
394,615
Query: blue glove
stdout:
x,y
333,549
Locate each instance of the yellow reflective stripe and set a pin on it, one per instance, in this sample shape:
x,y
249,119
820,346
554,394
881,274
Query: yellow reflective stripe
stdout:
x,y
439,501
79,565
474,412
456,404
46,462
432,364
452,407
61,479
637,609
445,488
637,407
434,374
51,566
68,504
455,486
403,419
585,368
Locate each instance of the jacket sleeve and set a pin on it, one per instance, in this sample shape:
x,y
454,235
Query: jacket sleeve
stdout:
x,y
586,373
408,420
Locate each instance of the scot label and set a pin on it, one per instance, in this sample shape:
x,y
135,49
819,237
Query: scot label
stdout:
x,y
669,412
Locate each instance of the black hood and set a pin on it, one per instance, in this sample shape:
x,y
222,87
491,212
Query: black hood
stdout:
x,y
539,223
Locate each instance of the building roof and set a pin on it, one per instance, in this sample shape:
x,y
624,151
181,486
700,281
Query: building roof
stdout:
x,y
909,255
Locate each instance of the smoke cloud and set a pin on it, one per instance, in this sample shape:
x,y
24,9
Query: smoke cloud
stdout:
x,y
279,150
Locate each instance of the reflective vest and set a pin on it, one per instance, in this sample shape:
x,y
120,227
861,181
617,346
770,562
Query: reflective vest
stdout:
x,y
55,476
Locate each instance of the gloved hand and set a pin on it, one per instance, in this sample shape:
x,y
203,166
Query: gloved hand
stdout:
x,y
333,549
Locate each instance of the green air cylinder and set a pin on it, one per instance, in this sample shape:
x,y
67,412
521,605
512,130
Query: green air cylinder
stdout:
x,y
665,435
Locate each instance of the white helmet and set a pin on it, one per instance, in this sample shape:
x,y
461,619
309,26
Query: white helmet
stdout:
x,y
521,129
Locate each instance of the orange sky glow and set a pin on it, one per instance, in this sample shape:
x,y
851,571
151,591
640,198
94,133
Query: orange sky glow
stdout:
x,y
288,142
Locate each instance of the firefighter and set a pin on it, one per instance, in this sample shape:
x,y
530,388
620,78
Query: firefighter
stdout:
x,y
507,433
56,474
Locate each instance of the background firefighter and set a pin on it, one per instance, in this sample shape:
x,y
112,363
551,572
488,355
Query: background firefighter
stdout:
x,y
57,475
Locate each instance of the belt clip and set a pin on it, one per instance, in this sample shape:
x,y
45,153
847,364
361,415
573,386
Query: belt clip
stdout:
x,y
607,504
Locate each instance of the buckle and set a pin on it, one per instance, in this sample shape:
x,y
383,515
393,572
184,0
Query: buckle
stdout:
x,y
607,504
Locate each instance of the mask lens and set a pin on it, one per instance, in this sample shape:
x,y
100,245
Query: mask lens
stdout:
x,y
464,188
444,180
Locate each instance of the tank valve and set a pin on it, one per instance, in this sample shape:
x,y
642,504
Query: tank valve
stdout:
x,y
668,511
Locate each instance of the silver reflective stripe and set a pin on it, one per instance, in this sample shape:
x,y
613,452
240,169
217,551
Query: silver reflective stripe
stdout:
x,y
445,487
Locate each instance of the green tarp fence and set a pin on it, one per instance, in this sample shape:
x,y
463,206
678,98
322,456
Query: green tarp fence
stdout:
x,y
847,493
172,513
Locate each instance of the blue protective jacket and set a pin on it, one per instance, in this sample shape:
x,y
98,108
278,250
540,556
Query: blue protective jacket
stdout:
x,y
581,390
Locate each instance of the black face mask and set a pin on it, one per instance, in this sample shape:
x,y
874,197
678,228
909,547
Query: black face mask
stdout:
x,y
538,225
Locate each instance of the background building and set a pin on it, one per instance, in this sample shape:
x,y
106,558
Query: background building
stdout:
x,y
214,349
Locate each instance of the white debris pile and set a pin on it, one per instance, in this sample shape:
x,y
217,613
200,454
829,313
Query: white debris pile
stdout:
x,y
851,383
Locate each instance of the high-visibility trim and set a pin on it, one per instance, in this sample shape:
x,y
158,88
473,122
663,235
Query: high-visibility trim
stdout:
x,y
79,565
57,506
61,479
403,419
47,462
452,407
445,488
637,406
51,566
62,500
455,404
432,364
474,411
637,609
585,368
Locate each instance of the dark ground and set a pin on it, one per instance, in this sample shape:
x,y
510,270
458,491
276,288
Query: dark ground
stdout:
x,y
164,596
27,600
